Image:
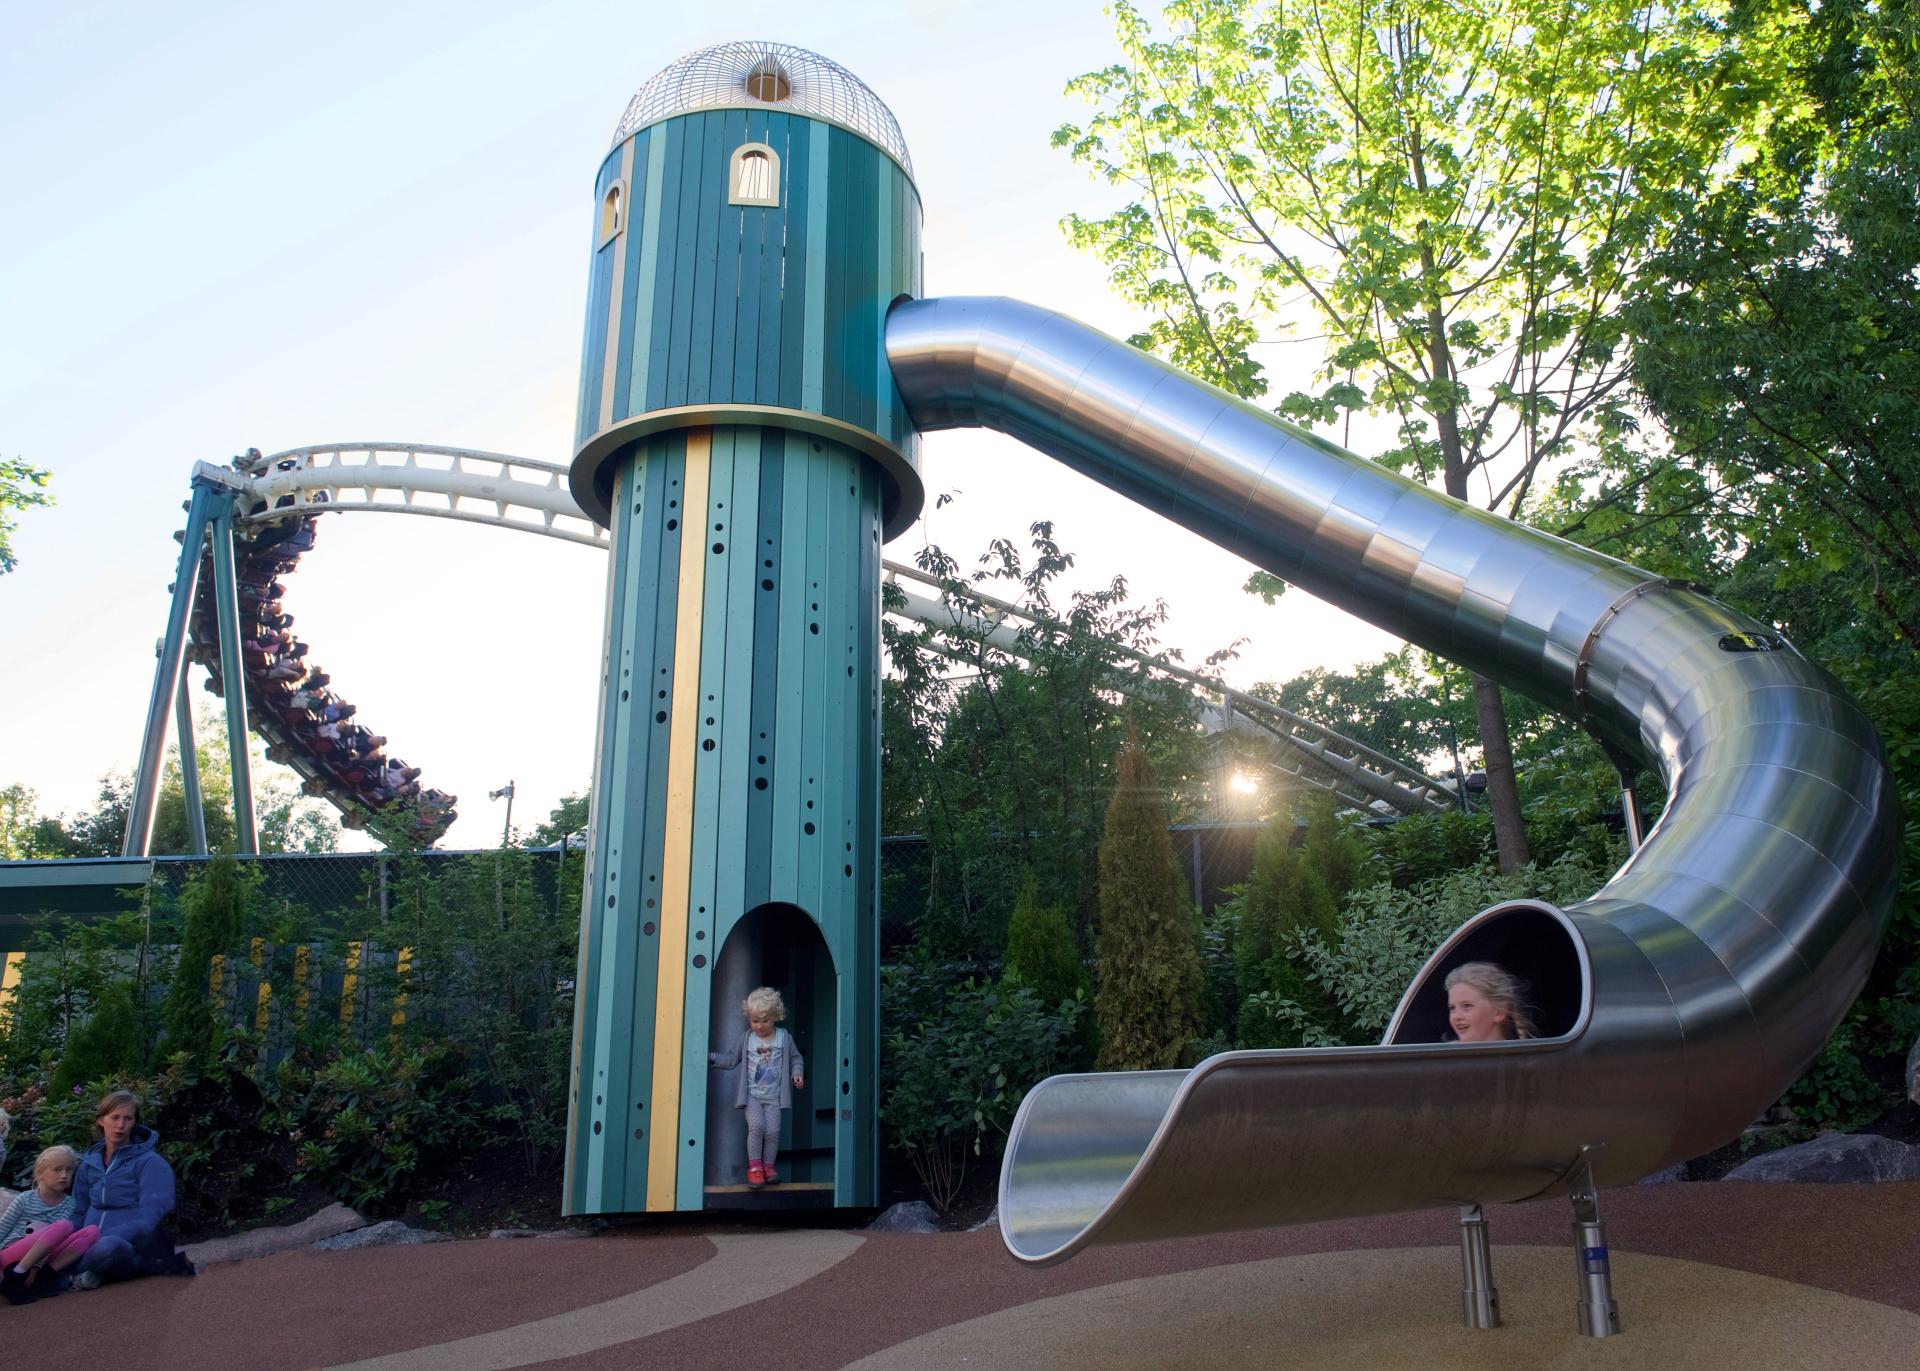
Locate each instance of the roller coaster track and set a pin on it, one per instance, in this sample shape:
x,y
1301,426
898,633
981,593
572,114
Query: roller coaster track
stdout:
x,y
1308,753
531,496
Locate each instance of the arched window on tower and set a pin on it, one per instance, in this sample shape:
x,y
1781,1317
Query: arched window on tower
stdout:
x,y
755,178
613,212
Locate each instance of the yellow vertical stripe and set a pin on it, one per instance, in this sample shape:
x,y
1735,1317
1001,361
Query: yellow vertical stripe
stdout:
x,y
10,975
669,1022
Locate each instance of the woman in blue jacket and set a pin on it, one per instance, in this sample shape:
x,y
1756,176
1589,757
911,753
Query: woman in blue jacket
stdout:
x,y
125,1186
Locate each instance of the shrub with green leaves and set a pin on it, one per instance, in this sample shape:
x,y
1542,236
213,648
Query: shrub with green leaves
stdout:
x,y
953,1077
492,979
1306,861
366,1123
1418,847
1386,935
110,1044
69,969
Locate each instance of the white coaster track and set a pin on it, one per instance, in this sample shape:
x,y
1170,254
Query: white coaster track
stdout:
x,y
532,496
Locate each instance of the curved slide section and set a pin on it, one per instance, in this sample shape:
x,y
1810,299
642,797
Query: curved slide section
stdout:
x,y
1677,1002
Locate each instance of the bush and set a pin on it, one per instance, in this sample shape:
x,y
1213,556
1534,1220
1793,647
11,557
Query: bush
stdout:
x,y
69,967
1386,935
1304,864
1041,952
492,979
366,1122
951,1083
216,1131
214,1127
473,1026
1419,847
111,1044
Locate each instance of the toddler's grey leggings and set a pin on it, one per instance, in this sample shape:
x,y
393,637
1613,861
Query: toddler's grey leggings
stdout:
x,y
763,1130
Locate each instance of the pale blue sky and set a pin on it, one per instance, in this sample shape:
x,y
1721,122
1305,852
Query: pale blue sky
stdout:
x,y
231,225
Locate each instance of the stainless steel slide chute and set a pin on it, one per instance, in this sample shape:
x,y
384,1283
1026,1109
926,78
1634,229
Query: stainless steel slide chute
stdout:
x,y
1678,1001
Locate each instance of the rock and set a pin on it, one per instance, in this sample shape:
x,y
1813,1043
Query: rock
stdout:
x,y
1676,1172
392,1233
913,1216
1913,1072
330,1222
566,1233
514,1233
1839,1158
991,1221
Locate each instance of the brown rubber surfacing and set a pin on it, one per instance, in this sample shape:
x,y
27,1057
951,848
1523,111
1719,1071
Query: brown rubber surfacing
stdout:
x,y
312,1309
1857,1240
317,1309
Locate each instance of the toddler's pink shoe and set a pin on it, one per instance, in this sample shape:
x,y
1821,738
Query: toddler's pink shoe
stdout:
x,y
769,1175
756,1175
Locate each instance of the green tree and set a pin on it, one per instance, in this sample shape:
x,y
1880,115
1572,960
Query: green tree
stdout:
x,y
111,1044
1041,950
1774,338
1457,196
1409,705
285,820
1777,336
1149,1001
19,818
21,487
569,819
215,905
998,747
1305,864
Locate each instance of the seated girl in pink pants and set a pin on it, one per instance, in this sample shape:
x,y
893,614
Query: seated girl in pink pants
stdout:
x,y
38,1241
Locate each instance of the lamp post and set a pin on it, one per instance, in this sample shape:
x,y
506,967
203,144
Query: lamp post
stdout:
x,y
506,829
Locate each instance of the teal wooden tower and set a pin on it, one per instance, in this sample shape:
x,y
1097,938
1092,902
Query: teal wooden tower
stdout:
x,y
741,439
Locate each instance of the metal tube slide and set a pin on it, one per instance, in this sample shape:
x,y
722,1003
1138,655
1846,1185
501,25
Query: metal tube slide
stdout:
x,y
1676,1003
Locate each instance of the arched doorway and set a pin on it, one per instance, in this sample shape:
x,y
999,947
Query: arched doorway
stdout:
x,y
781,946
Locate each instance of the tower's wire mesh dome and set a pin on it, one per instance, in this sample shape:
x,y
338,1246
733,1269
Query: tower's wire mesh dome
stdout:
x,y
752,75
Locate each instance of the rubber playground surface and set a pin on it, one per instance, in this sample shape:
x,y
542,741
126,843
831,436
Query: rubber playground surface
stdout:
x,y
1708,1275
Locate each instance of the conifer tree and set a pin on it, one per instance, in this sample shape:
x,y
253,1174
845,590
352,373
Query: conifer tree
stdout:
x,y
1149,954
215,905
1305,864
1041,953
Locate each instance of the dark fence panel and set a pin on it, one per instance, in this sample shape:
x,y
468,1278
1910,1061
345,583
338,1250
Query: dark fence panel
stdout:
x,y
345,895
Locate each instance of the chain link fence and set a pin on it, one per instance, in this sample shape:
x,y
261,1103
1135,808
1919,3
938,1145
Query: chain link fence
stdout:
x,y
324,905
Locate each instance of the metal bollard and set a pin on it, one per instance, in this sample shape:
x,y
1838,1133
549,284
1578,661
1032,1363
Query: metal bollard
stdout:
x,y
1598,1315
1480,1300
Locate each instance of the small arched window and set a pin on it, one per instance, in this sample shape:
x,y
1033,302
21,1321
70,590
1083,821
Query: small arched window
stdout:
x,y
755,176
613,212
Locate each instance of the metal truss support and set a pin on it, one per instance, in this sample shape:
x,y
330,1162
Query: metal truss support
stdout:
x,y
233,677
138,837
190,764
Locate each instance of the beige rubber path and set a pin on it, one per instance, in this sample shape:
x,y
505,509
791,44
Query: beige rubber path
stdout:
x,y
743,1269
1386,1311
